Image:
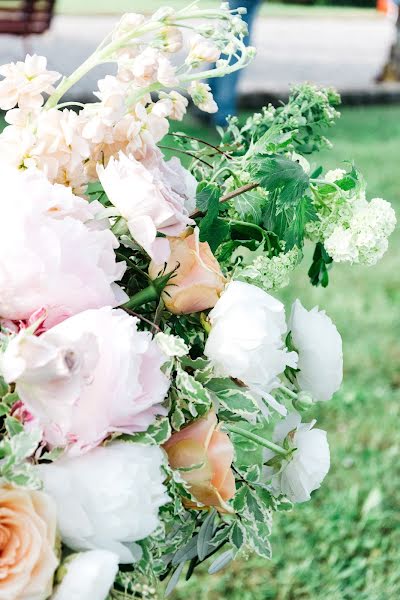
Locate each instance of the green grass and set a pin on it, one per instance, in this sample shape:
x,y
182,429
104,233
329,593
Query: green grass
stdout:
x,y
268,9
345,543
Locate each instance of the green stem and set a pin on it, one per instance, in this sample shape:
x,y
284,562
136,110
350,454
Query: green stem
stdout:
x,y
257,439
331,184
147,295
287,391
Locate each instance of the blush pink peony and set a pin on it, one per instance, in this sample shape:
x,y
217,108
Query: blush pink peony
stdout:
x,y
89,376
53,253
146,200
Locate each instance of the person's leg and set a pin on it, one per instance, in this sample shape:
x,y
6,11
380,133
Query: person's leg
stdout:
x,y
224,89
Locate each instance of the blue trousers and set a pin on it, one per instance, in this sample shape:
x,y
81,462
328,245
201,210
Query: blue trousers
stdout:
x,y
225,89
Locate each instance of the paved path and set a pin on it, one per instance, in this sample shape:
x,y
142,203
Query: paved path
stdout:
x,y
343,52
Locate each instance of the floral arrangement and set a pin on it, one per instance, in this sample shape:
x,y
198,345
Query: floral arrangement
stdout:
x,y
152,389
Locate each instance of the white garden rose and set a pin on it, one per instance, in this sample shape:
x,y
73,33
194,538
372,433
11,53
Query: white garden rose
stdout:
x,y
307,466
88,576
108,498
246,338
89,376
319,347
53,253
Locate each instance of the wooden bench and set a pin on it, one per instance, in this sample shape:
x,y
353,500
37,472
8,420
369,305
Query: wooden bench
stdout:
x,y
25,17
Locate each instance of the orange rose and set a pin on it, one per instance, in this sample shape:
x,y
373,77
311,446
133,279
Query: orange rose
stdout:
x,y
27,544
197,282
202,443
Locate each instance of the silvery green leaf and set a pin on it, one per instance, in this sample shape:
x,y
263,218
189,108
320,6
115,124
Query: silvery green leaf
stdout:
x,y
157,433
219,563
13,426
174,580
186,553
205,535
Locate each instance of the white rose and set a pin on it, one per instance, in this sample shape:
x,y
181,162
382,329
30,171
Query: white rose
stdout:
x,y
89,576
108,498
307,466
245,341
319,347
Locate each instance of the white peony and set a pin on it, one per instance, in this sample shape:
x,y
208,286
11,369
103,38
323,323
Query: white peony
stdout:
x,y
53,253
319,347
89,376
307,466
108,498
246,338
88,576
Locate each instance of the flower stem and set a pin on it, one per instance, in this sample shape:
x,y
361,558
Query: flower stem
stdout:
x,y
257,439
147,295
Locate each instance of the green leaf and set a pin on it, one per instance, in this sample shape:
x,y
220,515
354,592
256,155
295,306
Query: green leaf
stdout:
x,y
219,563
249,206
304,212
233,399
206,195
322,262
238,535
191,389
186,553
286,177
157,433
3,387
205,535
172,583
24,444
13,426
213,229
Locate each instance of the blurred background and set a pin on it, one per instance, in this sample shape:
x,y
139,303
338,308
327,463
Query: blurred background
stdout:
x,y
345,543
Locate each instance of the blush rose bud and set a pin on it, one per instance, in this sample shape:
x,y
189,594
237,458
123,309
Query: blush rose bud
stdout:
x,y
203,454
197,282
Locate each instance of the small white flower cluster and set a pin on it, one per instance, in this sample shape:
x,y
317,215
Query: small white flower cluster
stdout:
x,y
351,228
269,273
66,145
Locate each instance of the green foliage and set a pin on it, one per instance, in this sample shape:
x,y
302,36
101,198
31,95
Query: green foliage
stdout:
x,y
321,263
212,229
345,543
283,177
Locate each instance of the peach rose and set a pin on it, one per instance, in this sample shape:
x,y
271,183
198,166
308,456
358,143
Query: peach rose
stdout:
x,y
202,443
198,280
27,544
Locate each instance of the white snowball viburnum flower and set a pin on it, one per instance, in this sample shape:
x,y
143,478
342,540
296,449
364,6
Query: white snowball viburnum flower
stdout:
x,y
54,254
267,273
89,376
108,498
319,347
87,576
246,339
25,81
306,466
202,96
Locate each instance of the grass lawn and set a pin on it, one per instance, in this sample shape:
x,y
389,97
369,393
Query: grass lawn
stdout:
x,y
345,543
89,7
